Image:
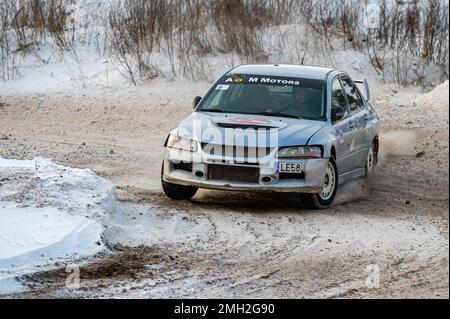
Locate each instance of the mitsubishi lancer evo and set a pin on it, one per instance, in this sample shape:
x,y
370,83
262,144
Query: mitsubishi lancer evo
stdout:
x,y
274,128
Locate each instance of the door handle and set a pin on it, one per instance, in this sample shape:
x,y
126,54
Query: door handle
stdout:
x,y
351,124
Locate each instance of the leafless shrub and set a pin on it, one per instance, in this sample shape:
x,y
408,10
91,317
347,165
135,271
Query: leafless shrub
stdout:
x,y
238,22
186,31
136,28
8,68
183,34
408,28
8,65
23,24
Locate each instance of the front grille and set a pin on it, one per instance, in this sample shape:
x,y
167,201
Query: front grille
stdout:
x,y
233,173
222,161
236,151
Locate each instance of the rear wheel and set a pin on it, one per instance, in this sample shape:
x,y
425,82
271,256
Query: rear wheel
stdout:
x,y
371,161
177,192
324,199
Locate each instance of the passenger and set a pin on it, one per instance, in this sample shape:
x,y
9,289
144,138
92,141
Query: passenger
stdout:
x,y
299,97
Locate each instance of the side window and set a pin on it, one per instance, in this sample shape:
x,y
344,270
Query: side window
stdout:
x,y
338,95
355,101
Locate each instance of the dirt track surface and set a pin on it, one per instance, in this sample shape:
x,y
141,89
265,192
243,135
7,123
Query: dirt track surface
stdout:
x,y
225,244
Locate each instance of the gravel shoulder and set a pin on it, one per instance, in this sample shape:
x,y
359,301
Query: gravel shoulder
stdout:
x,y
227,244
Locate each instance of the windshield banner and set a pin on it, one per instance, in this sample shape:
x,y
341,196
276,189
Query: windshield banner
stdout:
x,y
260,79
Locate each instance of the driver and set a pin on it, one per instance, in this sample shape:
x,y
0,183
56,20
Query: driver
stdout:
x,y
297,106
301,102
299,97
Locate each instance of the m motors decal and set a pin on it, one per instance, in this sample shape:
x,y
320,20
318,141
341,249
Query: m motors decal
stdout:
x,y
251,79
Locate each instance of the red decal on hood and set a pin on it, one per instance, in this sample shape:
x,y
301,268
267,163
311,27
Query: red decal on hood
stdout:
x,y
250,121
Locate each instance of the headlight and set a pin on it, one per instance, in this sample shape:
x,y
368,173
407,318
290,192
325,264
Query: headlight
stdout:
x,y
181,143
300,152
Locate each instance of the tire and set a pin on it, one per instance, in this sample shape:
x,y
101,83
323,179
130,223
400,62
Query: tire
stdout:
x,y
177,192
324,199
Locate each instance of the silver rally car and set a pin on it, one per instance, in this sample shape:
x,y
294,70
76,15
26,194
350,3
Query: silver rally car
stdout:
x,y
275,128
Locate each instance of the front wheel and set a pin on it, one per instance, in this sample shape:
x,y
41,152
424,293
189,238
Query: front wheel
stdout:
x,y
177,192
324,199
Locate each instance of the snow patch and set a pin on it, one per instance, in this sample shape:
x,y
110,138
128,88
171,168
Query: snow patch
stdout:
x,y
49,214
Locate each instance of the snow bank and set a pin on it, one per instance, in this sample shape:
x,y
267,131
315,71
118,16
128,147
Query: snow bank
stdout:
x,y
430,110
48,214
410,108
437,100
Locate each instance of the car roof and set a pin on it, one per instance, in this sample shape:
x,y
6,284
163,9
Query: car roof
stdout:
x,y
284,70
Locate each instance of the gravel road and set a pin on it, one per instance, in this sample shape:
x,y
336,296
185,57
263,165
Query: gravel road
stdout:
x,y
386,237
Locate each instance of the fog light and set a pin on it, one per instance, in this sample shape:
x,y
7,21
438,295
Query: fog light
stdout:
x,y
266,179
199,174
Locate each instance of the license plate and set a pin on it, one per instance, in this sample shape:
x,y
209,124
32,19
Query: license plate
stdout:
x,y
290,167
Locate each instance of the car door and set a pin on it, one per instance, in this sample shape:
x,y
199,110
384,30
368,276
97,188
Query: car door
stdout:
x,y
359,115
344,129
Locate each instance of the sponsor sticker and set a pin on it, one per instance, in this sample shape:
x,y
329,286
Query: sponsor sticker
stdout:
x,y
341,137
238,79
353,145
222,87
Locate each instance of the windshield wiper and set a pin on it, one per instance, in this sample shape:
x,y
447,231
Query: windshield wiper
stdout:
x,y
253,113
278,114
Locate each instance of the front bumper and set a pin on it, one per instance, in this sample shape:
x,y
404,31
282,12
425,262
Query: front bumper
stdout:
x,y
311,181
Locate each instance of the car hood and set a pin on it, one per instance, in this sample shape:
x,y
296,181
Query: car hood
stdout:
x,y
218,128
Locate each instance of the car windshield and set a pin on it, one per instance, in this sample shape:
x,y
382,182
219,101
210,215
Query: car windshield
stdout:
x,y
267,95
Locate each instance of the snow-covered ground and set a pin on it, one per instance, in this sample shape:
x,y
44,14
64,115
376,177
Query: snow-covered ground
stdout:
x,y
49,214
86,69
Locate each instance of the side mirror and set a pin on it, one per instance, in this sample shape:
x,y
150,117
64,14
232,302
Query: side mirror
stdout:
x,y
338,113
365,84
367,89
197,100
